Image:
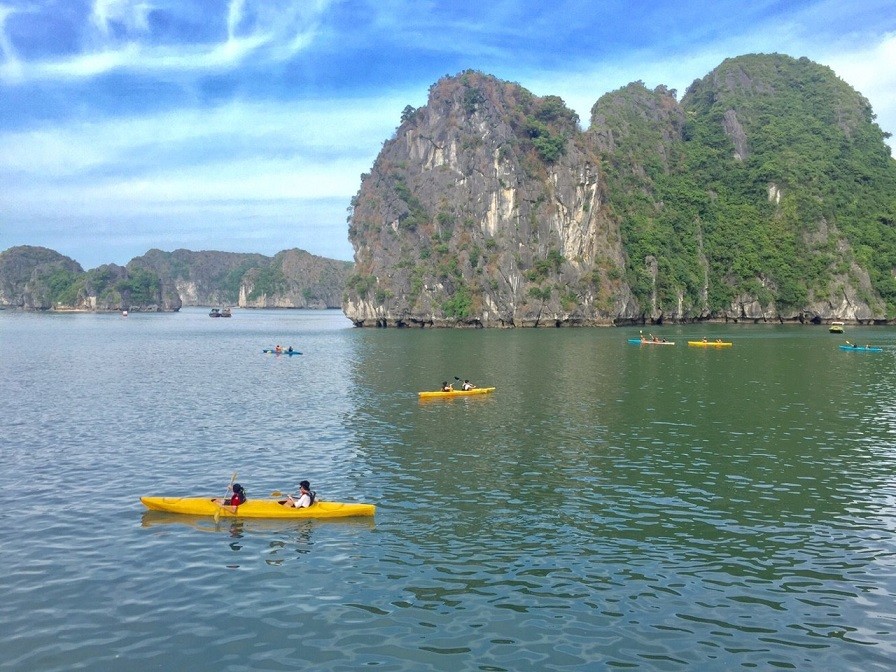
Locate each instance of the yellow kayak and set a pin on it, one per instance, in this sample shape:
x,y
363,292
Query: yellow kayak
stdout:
x,y
256,508
439,394
711,344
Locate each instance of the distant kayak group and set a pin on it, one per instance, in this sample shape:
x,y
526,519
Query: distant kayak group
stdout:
x,y
650,339
719,343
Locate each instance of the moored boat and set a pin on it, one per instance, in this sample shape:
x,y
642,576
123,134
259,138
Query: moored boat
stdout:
x,y
710,344
836,328
219,312
256,508
440,394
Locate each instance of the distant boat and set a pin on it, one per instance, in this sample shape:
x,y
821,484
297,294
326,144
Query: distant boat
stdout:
x,y
220,312
836,328
124,313
710,344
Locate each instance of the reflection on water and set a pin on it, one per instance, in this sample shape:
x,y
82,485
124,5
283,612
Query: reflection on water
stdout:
x,y
284,538
608,506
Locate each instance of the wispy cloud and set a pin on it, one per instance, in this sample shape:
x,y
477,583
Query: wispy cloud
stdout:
x,y
183,136
131,35
869,69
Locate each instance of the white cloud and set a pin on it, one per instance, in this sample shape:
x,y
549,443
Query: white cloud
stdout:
x,y
870,71
288,182
11,67
118,36
132,15
307,129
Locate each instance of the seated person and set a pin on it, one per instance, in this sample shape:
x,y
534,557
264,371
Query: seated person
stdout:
x,y
468,385
447,387
238,497
304,499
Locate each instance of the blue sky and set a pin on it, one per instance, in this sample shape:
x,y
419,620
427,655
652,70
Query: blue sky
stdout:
x,y
245,125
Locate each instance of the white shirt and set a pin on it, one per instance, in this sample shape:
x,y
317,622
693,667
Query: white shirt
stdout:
x,y
302,502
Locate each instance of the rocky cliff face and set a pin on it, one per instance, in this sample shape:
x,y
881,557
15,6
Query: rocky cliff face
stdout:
x,y
290,279
486,209
490,207
201,278
305,281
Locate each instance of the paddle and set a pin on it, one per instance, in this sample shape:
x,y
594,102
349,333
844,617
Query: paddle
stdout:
x,y
220,506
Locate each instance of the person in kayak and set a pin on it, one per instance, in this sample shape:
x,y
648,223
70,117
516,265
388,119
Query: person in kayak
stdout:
x,y
305,498
468,385
238,497
447,387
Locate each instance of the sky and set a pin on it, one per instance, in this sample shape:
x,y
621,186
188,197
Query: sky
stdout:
x,y
245,125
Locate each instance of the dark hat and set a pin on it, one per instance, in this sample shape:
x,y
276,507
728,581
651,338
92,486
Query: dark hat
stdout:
x,y
305,484
237,487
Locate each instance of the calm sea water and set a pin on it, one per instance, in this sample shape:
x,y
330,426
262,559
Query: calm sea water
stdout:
x,y
610,506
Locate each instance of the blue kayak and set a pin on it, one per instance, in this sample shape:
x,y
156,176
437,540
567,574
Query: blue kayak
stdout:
x,y
861,348
271,351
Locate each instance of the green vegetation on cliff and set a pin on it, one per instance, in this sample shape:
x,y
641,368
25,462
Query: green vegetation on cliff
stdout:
x,y
778,183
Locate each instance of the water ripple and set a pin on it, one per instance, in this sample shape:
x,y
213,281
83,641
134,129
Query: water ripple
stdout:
x,y
607,508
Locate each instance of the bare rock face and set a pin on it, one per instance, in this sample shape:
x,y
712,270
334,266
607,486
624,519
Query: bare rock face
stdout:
x,y
485,210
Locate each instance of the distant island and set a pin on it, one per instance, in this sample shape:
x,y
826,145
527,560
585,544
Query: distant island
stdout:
x,y
39,279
